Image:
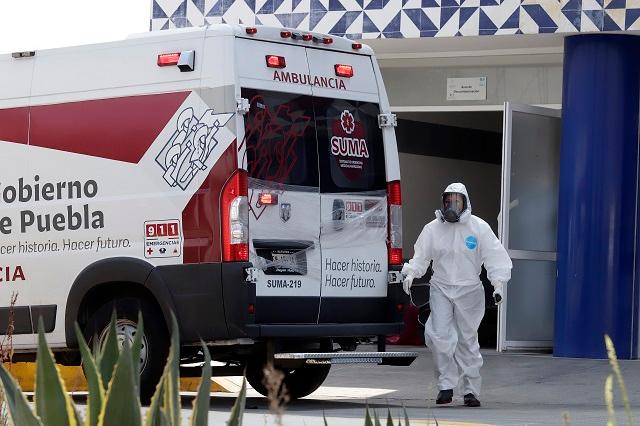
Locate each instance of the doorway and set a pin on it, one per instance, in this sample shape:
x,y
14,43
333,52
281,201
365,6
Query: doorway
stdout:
x,y
436,149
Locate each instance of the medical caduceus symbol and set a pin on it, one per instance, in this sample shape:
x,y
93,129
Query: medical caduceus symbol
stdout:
x,y
190,145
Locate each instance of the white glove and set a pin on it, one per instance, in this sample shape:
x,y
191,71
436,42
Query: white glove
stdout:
x,y
497,293
407,283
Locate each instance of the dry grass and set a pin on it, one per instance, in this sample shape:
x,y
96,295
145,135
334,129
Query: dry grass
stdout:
x,y
278,394
6,355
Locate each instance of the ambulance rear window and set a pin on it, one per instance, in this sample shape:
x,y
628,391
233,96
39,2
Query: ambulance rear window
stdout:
x,y
281,138
351,151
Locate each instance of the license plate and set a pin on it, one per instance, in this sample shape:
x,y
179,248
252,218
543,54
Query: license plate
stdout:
x,y
287,262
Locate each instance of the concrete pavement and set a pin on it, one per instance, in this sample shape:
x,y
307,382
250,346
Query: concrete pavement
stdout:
x,y
518,389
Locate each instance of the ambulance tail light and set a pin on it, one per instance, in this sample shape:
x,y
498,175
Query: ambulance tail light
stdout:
x,y
343,70
268,199
394,201
274,61
235,219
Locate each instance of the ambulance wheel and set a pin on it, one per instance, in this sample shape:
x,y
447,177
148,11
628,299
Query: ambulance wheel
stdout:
x,y
299,382
155,342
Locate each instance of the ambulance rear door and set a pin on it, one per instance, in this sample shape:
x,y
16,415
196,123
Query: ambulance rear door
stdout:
x,y
280,152
352,188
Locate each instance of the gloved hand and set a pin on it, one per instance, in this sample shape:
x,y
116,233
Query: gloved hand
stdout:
x,y
497,293
407,283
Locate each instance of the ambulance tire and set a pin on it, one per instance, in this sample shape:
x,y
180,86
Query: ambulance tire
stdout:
x,y
299,382
156,334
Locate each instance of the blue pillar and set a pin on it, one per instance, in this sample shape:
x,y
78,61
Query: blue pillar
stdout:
x,y
597,289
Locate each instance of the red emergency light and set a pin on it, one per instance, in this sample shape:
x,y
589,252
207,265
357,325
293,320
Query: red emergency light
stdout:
x,y
251,30
307,37
285,34
267,199
356,46
344,70
168,59
274,61
327,40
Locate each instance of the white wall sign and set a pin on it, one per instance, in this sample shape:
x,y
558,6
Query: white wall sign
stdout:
x,y
467,89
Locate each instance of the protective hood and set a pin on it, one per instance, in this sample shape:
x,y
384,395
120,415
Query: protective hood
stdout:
x,y
460,189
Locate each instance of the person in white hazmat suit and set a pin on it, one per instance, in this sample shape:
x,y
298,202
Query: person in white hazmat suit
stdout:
x,y
458,243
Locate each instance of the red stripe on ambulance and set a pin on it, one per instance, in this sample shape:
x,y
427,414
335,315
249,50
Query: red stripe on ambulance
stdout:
x,y
14,125
120,129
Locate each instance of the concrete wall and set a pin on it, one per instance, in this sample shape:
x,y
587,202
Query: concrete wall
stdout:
x,y
540,84
423,180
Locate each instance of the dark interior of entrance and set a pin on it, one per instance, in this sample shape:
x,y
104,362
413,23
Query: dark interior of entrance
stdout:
x,y
437,148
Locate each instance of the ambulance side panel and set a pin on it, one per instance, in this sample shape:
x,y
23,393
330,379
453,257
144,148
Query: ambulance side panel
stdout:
x,y
128,203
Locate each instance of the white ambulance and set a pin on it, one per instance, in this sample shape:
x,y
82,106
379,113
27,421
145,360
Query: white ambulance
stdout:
x,y
244,178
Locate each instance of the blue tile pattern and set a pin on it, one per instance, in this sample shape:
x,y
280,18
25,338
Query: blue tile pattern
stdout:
x,y
365,19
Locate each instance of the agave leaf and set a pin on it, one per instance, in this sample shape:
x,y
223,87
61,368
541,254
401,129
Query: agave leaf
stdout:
x,y
154,414
53,404
389,419
164,420
171,376
136,347
376,420
17,404
238,408
121,405
367,417
95,388
406,416
109,353
200,416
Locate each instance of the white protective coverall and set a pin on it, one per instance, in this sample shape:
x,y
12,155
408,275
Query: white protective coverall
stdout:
x,y
457,299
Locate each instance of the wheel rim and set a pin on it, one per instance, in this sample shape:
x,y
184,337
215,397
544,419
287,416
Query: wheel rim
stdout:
x,y
127,329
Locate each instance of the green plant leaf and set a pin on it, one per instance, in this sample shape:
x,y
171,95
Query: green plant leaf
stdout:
x,y
235,419
367,417
200,414
389,419
171,376
109,353
164,420
53,405
154,414
376,420
19,408
121,405
95,388
136,348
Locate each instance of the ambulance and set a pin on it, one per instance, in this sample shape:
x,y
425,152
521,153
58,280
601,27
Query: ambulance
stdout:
x,y
245,179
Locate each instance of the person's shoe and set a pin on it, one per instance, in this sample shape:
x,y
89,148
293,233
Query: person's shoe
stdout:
x,y
470,400
445,396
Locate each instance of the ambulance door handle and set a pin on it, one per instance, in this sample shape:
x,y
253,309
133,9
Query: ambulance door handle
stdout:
x,y
242,105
